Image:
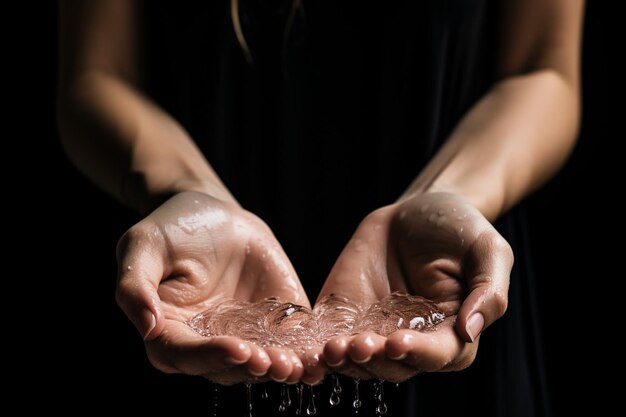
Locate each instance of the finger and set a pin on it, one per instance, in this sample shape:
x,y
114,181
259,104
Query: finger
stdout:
x,y
336,351
297,369
314,366
259,362
282,366
364,346
488,265
181,349
140,269
427,352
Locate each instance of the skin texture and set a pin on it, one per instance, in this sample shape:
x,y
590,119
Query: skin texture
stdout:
x,y
507,145
435,245
190,252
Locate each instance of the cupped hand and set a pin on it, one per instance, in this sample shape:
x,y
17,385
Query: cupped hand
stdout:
x,y
435,245
190,253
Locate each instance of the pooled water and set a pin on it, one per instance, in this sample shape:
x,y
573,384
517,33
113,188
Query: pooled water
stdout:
x,y
271,322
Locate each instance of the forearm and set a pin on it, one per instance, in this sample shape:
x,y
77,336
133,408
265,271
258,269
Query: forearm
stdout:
x,y
128,145
508,144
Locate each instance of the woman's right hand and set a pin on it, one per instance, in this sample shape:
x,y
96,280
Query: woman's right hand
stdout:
x,y
190,252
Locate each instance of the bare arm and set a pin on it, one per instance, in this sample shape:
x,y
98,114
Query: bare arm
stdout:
x,y
111,131
523,129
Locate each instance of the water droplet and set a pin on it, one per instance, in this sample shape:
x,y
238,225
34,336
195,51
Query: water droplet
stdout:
x,y
310,409
249,398
299,390
357,399
335,391
397,385
379,394
264,394
454,209
247,249
129,268
336,384
216,395
285,398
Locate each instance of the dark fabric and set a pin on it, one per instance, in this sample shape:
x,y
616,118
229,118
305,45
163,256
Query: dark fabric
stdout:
x,y
334,117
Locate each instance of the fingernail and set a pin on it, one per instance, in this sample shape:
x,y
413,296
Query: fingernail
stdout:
x,y
362,360
400,357
334,365
475,325
151,320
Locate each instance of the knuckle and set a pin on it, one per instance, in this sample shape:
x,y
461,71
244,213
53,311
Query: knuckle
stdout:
x,y
124,292
501,302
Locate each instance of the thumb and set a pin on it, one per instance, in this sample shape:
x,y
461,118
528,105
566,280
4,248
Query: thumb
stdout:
x,y
487,267
140,268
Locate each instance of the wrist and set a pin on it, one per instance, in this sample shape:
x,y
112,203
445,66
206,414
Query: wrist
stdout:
x,y
490,204
145,197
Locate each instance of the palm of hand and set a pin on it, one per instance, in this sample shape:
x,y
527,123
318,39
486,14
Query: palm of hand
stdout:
x,y
196,251
436,246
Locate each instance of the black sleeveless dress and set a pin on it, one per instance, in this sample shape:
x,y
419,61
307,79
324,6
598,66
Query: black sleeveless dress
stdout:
x,y
338,111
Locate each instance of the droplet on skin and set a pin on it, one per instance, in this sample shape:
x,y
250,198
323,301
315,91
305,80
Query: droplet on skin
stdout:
x,y
129,268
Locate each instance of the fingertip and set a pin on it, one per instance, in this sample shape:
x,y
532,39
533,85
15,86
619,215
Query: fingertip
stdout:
x,y
398,344
239,354
474,326
335,351
281,364
148,322
259,362
314,366
297,369
364,346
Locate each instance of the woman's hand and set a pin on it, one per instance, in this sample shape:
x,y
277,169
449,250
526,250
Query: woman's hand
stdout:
x,y
435,245
190,252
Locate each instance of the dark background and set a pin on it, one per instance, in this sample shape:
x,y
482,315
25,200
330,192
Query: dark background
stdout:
x,y
93,342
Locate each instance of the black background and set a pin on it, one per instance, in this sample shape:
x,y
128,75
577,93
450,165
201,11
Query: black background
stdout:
x,y
92,340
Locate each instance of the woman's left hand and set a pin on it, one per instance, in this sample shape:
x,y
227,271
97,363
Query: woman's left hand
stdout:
x,y
435,245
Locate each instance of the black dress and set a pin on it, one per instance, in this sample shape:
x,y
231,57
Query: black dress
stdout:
x,y
335,115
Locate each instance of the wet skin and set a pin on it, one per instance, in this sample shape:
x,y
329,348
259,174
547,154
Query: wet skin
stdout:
x,y
195,252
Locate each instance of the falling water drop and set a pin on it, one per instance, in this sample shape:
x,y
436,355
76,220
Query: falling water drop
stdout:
x,y
264,394
299,390
357,399
249,398
381,407
310,409
397,385
285,398
216,395
336,390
